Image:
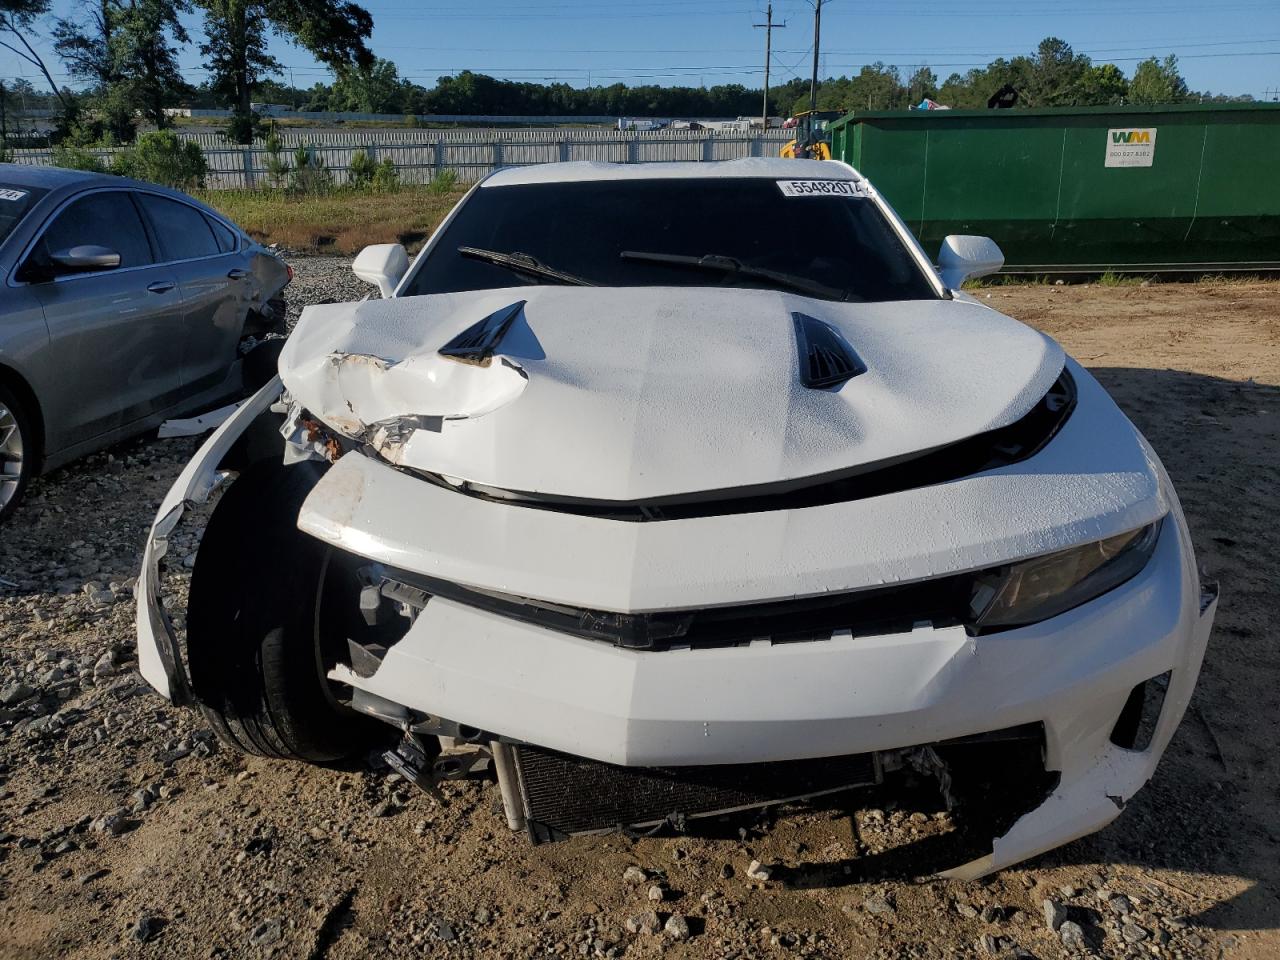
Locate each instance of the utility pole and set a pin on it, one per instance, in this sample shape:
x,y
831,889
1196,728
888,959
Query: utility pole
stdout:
x,y
817,39
769,27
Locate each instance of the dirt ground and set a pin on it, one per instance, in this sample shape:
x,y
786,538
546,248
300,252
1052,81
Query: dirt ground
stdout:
x,y
126,831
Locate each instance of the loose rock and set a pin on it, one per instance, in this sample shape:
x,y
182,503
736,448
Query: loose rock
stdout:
x,y
1133,933
1119,905
676,927
646,922
147,928
266,933
878,904
1072,935
1054,915
758,871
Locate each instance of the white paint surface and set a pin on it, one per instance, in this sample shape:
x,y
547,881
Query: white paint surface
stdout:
x,y
637,393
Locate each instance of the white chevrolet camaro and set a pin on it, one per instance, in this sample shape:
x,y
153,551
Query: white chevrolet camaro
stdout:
x,y
663,491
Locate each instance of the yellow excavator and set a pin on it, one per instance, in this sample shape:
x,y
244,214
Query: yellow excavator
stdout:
x,y
811,142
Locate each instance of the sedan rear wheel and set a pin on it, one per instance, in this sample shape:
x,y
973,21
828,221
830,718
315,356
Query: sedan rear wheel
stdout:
x,y
16,453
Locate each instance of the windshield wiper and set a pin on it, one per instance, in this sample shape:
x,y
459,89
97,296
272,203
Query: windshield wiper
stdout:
x,y
522,263
723,264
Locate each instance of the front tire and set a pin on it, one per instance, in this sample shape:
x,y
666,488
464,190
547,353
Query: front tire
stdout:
x,y
17,451
255,643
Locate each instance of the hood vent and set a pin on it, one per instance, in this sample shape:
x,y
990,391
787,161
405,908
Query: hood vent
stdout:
x,y
477,343
826,360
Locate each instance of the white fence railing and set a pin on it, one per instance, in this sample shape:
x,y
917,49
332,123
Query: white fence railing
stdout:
x,y
470,156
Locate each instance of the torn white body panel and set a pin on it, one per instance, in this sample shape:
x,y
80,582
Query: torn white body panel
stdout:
x,y
157,653
643,393
194,426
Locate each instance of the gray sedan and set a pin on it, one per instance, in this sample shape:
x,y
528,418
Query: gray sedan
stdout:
x,y
123,304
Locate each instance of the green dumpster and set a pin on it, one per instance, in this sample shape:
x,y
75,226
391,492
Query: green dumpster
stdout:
x,y
1176,187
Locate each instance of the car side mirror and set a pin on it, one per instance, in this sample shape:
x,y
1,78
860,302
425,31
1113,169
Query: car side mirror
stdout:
x,y
88,256
963,257
383,265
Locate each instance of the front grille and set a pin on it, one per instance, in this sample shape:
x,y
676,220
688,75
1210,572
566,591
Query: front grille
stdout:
x,y
566,795
942,602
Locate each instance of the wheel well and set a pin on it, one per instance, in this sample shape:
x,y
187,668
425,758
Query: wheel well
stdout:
x,y
15,382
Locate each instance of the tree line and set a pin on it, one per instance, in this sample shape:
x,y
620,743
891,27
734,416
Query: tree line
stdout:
x,y
124,57
1054,75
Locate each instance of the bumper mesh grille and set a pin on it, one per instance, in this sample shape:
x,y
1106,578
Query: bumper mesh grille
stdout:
x,y
566,795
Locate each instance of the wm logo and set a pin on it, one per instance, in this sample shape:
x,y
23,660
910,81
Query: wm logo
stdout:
x,y
1130,136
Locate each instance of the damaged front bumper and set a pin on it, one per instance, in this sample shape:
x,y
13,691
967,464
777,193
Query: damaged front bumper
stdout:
x,y
766,702
862,700
160,658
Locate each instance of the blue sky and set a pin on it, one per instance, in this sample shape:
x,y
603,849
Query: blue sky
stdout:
x,y
1230,46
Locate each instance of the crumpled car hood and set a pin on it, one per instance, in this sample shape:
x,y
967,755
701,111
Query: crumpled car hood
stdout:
x,y
633,394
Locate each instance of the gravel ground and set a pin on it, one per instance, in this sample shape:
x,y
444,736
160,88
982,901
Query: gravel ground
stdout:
x,y
127,831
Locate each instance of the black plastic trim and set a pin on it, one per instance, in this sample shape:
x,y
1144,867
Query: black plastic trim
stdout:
x,y
939,602
826,359
477,343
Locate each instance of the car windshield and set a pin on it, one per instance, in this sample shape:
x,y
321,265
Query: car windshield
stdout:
x,y
730,232
15,201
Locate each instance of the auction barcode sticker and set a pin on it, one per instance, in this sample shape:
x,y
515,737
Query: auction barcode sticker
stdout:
x,y
10,194
821,188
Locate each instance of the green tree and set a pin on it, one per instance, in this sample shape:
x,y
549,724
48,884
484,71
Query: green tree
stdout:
x,y
277,162
17,20
146,46
127,51
1102,85
373,89
921,84
235,47
1053,76
1156,81
85,44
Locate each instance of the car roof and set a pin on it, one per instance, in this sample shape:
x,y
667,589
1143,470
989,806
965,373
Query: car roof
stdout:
x,y
50,178
770,168
60,181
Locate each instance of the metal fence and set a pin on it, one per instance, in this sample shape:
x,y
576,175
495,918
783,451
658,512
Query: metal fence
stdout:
x,y
304,136
472,154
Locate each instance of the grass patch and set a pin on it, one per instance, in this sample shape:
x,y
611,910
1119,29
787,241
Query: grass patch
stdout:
x,y
1113,279
339,222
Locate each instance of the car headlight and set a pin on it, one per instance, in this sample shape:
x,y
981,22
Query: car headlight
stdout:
x,y
1033,590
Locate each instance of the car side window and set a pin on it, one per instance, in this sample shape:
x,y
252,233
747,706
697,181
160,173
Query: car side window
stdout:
x,y
183,231
227,241
107,219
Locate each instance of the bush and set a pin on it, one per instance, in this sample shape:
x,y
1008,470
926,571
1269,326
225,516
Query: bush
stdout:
x,y
367,174
277,164
77,158
443,182
160,157
310,175
386,179
362,169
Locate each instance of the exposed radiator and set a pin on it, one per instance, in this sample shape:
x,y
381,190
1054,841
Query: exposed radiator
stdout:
x,y
566,795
